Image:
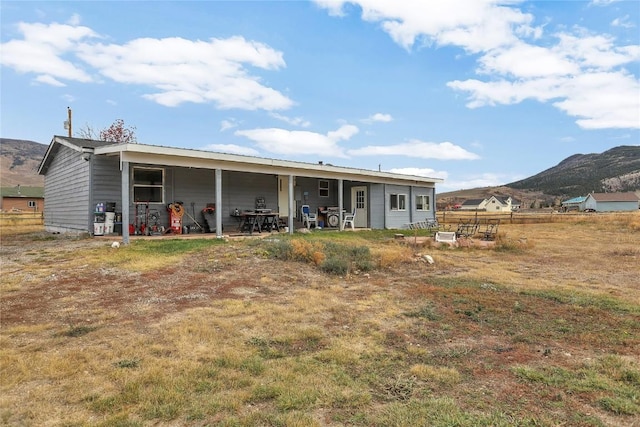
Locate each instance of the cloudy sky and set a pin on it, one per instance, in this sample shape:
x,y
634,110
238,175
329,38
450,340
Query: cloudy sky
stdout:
x,y
477,92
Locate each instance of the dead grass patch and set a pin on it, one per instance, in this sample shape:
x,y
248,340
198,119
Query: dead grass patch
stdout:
x,y
223,334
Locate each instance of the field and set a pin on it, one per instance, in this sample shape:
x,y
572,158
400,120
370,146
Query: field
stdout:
x,y
325,329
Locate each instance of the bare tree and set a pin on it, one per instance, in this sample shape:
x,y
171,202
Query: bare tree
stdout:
x,y
87,132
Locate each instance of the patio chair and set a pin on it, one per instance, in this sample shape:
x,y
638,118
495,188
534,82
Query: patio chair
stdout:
x,y
350,219
308,217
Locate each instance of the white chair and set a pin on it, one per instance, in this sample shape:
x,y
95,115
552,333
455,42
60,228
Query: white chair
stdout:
x,y
308,218
350,219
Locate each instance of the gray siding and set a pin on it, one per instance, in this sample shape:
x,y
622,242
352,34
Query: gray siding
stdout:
x,y
66,193
239,191
312,198
610,206
417,215
106,182
397,219
377,209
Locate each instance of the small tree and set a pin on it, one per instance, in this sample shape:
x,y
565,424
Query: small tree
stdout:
x,y
117,132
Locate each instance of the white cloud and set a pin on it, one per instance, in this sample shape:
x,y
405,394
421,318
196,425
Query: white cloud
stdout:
x,y
49,80
295,121
232,149
476,25
482,180
424,172
623,22
603,2
417,149
378,117
282,141
42,49
179,70
228,124
569,69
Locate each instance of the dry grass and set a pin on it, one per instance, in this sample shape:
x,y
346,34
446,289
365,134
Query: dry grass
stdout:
x,y
543,329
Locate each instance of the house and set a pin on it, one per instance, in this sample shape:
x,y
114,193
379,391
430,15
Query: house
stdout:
x,y
473,205
137,179
575,204
21,199
492,204
498,204
611,202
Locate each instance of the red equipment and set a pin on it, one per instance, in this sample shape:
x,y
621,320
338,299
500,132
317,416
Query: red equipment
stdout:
x,y
176,212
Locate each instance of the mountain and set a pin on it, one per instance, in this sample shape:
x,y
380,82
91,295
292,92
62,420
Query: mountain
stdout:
x,y
615,170
19,161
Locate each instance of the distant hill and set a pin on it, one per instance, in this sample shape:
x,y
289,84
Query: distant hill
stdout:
x,y
19,161
615,170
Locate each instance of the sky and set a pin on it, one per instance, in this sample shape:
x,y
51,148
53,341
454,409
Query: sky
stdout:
x,y
475,92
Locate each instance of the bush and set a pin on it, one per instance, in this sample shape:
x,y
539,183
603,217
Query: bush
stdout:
x,y
331,257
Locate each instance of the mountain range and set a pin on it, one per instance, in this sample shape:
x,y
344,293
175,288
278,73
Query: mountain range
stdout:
x,y
615,170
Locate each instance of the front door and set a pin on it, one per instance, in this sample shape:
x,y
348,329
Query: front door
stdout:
x,y
283,195
359,202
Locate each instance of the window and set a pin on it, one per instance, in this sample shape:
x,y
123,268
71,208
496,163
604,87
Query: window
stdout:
x,y
398,202
323,188
422,203
32,203
148,185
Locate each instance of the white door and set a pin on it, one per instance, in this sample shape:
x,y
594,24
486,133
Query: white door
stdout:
x,y
283,195
359,202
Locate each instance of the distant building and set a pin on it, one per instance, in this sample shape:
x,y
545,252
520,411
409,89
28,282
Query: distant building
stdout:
x,y
492,204
21,199
612,202
575,204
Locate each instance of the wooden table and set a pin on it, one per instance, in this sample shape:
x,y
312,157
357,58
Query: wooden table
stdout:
x,y
258,221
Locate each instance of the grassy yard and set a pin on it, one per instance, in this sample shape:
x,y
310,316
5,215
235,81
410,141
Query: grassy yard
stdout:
x,y
325,329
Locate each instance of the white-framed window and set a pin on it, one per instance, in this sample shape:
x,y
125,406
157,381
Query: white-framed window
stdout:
x,y
422,203
32,203
398,202
323,188
148,185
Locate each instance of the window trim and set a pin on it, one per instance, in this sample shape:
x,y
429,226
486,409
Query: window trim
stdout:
x,y
425,198
397,197
323,188
32,204
134,185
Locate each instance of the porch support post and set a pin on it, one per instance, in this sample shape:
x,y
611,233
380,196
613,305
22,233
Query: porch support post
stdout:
x,y
291,212
124,174
340,200
218,184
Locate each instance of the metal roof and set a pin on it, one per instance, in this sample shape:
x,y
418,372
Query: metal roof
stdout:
x,y
183,157
614,197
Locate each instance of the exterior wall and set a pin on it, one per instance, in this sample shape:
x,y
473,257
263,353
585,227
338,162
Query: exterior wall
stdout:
x,y
306,192
22,204
106,182
422,215
66,193
495,205
197,186
590,203
239,191
377,211
397,219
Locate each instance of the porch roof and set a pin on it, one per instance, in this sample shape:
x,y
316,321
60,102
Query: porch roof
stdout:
x,y
183,157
